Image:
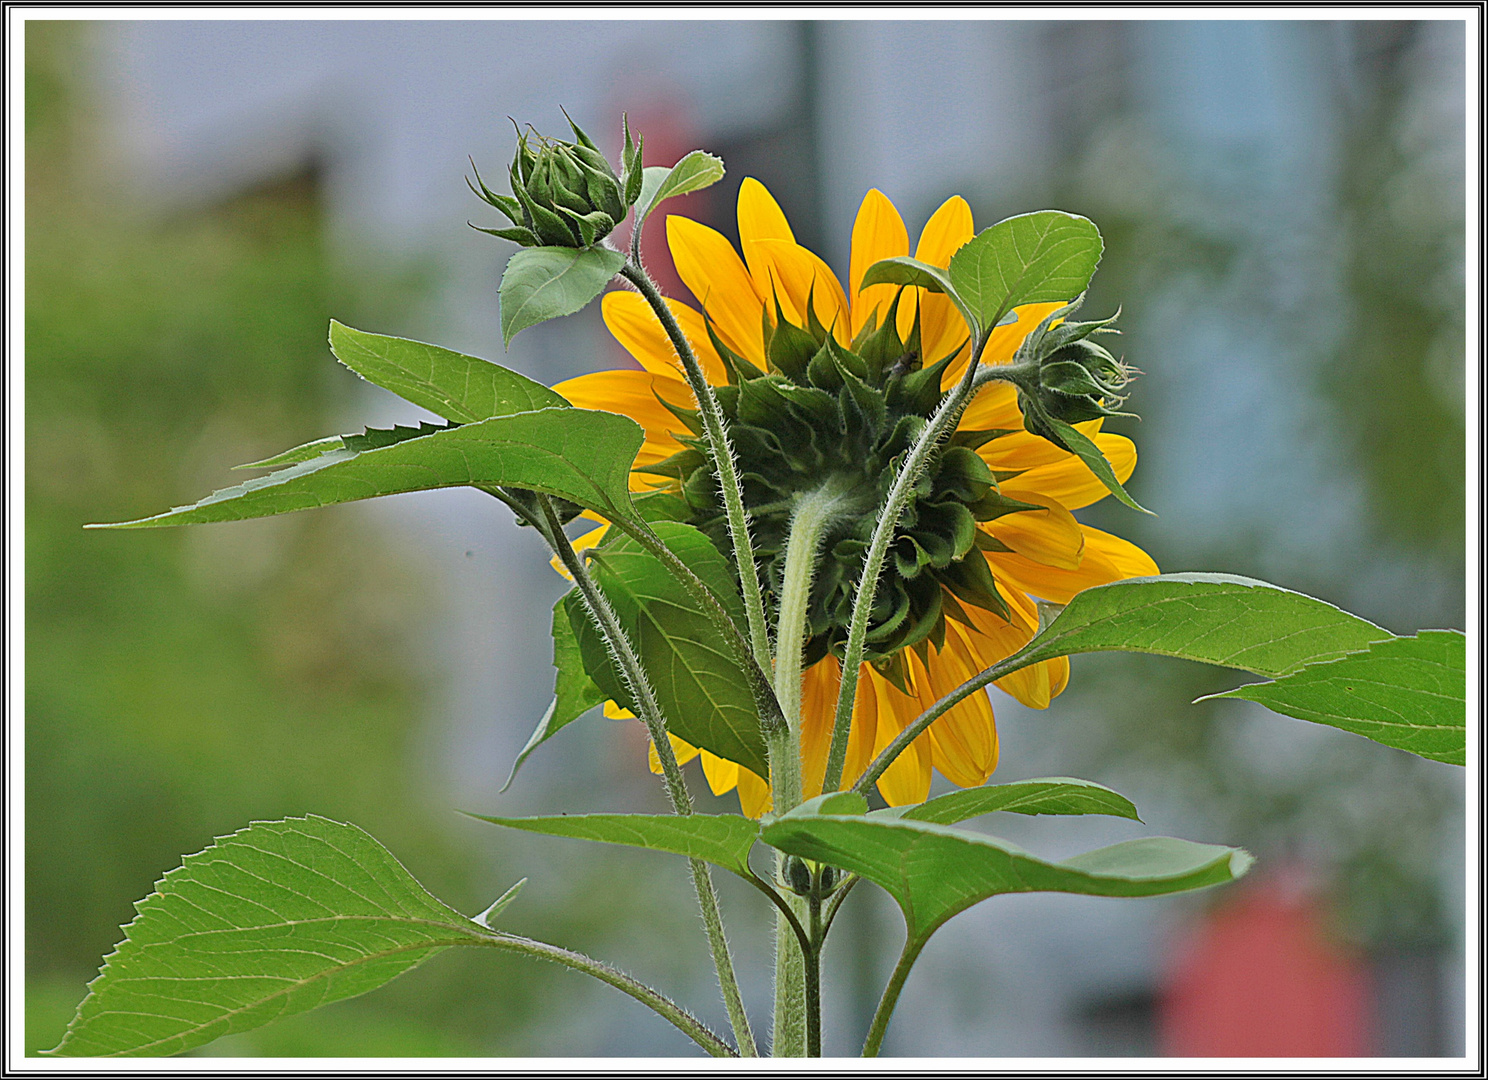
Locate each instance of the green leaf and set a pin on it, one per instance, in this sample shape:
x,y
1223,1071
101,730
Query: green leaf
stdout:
x,y
903,270
706,698
574,692
1219,619
462,389
273,920
1055,795
1406,692
693,173
721,839
1033,258
577,454
543,283
935,872
304,452
1096,461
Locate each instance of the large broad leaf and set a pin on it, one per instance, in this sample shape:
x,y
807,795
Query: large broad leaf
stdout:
x,y
1407,692
721,839
935,872
460,388
1220,619
542,283
576,454
1034,258
693,173
274,920
705,696
574,692
1055,795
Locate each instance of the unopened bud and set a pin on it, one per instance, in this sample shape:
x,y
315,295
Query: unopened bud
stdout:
x,y
564,194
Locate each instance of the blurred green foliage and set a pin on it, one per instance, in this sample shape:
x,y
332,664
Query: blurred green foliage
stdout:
x,y
182,683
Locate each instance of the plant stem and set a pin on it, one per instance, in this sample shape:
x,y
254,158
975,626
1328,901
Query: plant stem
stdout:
x,y
788,1035
946,415
812,513
657,1002
723,461
813,970
890,997
640,690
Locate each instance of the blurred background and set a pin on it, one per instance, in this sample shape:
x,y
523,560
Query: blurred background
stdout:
x,y
1283,206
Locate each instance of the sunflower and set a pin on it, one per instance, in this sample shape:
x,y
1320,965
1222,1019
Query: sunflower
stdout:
x,y
820,382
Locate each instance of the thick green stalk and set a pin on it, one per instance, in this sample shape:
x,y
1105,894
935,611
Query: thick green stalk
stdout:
x,y
916,462
640,689
657,1002
722,452
788,1035
890,997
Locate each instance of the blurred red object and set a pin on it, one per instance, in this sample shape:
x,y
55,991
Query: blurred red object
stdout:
x,y
1260,977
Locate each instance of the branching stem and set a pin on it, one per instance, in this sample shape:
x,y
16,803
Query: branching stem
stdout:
x,y
641,693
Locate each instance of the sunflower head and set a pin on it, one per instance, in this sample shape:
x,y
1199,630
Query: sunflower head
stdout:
x,y
564,194
823,416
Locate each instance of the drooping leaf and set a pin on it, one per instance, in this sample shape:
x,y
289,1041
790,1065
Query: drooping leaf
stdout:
x,y
903,270
1033,258
273,920
460,388
935,872
368,439
574,692
706,698
1222,619
577,454
543,283
721,839
1406,692
694,172
1055,795
1091,455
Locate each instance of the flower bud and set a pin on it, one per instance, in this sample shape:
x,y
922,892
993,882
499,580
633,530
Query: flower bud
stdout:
x,y
1063,375
564,194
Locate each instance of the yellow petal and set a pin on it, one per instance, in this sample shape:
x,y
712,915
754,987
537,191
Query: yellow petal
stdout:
x,y
638,395
795,274
1003,343
1050,536
941,325
819,686
1070,481
636,327
963,742
1107,558
754,794
996,639
907,780
708,265
722,774
995,407
615,712
760,218
878,233
1022,450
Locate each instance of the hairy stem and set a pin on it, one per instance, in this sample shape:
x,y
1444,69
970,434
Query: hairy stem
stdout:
x,y
890,997
657,1002
640,690
722,453
916,462
788,1035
